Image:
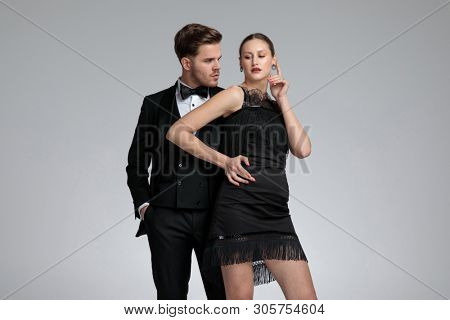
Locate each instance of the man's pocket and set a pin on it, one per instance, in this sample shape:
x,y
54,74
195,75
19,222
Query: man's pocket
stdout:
x,y
143,223
147,212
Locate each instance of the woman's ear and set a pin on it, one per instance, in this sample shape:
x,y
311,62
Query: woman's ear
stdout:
x,y
186,63
274,60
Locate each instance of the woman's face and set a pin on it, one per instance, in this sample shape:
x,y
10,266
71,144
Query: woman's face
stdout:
x,y
256,59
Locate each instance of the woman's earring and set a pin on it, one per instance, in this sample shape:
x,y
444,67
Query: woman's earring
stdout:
x,y
242,69
274,67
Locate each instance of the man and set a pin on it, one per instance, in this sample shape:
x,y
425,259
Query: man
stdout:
x,y
175,208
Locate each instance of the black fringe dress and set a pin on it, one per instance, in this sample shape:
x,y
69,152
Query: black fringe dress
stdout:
x,y
251,223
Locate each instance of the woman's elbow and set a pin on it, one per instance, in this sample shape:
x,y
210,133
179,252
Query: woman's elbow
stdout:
x,y
302,152
170,135
306,152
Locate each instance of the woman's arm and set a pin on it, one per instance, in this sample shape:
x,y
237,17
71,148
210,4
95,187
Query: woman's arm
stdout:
x,y
299,142
182,131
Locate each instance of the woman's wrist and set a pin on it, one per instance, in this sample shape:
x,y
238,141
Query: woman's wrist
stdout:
x,y
283,100
223,158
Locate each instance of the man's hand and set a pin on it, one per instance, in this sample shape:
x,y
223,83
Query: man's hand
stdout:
x,y
142,212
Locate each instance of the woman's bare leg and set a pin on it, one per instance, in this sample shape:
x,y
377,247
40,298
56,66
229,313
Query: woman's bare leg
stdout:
x,y
238,281
294,278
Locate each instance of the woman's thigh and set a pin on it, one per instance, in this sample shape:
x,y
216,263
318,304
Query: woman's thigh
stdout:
x,y
294,278
238,281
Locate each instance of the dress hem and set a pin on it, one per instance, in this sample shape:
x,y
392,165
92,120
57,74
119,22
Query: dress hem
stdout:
x,y
253,248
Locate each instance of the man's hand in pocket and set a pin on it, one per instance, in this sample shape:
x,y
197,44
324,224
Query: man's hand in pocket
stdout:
x,y
142,212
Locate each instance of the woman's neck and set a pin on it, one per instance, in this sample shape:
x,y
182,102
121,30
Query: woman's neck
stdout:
x,y
260,85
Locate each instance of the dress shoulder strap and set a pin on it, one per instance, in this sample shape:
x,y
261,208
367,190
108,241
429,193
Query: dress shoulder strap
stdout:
x,y
246,97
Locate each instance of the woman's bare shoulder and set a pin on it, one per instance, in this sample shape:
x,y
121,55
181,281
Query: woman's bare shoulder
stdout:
x,y
235,97
235,89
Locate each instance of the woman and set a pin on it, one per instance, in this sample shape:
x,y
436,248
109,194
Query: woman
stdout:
x,y
252,237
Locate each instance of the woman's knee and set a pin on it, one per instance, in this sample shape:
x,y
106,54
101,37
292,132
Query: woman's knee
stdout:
x,y
242,293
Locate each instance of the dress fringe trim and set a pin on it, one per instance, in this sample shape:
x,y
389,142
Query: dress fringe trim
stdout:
x,y
253,248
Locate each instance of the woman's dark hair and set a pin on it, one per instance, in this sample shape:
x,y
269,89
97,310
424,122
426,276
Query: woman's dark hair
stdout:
x,y
259,36
189,38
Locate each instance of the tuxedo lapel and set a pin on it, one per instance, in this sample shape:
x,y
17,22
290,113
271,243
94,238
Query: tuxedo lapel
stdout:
x,y
170,102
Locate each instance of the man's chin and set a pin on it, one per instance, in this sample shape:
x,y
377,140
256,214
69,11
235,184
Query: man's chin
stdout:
x,y
213,83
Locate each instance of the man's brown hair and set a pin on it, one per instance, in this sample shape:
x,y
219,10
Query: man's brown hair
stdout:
x,y
189,38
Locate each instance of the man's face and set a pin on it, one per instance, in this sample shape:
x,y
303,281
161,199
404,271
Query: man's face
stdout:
x,y
205,69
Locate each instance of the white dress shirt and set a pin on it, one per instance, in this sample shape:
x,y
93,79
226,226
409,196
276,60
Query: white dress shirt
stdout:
x,y
184,106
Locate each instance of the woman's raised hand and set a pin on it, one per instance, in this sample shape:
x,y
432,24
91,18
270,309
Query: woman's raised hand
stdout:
x,y
235,172
278,86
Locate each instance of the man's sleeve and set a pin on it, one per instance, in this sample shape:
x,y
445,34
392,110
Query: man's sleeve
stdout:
x,y
139,155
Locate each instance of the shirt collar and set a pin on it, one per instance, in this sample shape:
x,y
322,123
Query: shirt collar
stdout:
x,y
178,87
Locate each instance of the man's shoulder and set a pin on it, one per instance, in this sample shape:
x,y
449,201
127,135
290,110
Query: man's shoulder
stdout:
x,y
158,100
156,97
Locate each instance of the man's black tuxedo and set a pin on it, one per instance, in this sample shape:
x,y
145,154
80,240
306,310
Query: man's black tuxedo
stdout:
x,y
178,179
181,185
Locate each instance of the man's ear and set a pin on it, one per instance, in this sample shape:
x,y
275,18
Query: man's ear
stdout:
x,y
186,63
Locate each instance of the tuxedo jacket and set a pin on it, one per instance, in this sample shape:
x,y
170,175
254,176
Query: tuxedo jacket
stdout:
x,y
178,179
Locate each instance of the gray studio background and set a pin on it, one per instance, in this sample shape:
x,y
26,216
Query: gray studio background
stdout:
x,y
370,204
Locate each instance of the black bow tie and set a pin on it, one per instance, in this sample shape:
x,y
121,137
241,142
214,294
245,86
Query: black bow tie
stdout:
x,y
187,92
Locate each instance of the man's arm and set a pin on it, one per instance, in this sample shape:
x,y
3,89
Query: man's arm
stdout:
x,y
139,157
